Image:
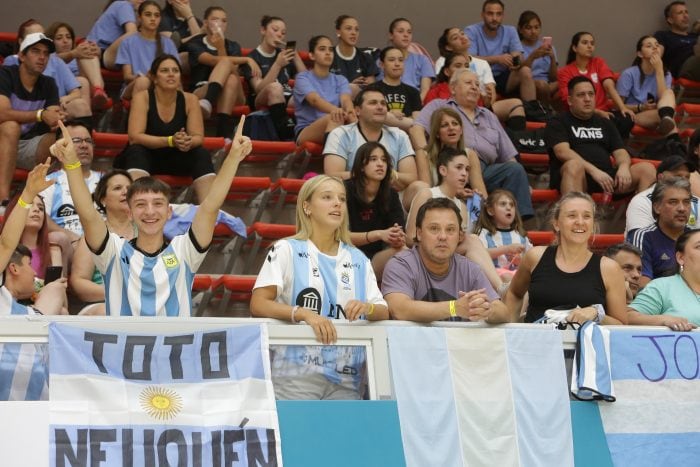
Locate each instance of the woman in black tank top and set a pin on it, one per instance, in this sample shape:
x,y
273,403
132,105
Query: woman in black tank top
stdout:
x,y
569,275
166,131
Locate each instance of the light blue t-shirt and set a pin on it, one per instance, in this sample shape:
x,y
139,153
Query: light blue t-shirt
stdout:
x,y
345,140
57,69
668,296
634,89
540,66
110,25
506,41
415,68
140,52
330,88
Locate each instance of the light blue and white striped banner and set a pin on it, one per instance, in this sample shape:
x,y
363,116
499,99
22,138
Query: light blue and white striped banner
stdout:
x,y
193,399
481,397
655,420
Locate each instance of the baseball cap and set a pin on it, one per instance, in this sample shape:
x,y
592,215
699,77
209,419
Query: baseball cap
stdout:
x,y
674,162
35,38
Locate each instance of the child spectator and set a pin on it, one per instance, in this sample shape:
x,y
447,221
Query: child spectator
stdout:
x,y
403,101
322,99
539,55
501,230
645,87
138,51
357,65
278,63
214,70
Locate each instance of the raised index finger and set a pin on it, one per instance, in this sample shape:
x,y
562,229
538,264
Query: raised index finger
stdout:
x,y
239,129
64,130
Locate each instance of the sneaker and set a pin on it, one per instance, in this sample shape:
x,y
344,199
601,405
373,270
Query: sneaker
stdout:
x,y
99,99
206,108
666,125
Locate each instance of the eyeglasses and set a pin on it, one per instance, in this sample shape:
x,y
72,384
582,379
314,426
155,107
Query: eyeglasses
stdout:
x,y
78,141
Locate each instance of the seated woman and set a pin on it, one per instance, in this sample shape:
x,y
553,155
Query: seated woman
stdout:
x,y
454,41
375,212
137,52
166,130
418,70
357,65
403,101
278,64
214,70
73,93
85,280
645,87
309,290
541,57
178,22
117,21
553,275
693,153
322,99
672,301
581,62
83,60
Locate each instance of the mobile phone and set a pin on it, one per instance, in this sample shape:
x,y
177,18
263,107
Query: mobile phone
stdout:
x,y
547,41
53,273
516,60
291,45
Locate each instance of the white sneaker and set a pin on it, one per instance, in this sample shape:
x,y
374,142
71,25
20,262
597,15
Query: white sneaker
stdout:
x,y
206,108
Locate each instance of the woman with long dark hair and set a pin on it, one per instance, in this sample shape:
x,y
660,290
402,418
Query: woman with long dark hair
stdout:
x,y
374,209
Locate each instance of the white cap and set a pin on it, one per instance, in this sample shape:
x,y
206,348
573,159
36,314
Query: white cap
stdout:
x,y
35,38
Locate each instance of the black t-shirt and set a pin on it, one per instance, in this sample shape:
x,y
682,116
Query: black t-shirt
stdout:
x,y
362,64
44,94
364,218
677,49
169,23
196,47
402,97
265,63
594,139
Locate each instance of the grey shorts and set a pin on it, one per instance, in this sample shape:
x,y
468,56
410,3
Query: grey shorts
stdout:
x,y
26,152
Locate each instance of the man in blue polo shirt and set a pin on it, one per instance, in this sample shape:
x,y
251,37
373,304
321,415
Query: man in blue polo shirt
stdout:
x,y
670,201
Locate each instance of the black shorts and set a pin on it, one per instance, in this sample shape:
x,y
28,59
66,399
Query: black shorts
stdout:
x,y
167,161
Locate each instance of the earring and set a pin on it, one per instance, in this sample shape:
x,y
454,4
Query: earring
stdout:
x,y
681,268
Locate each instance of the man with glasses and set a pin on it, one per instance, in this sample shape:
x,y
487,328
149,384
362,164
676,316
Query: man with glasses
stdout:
x,y
431,282
57,199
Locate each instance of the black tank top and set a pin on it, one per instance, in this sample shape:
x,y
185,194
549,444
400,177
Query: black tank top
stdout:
x,y
550,287
157,127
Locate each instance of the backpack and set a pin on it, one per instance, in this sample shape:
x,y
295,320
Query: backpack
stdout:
x,y
259,126
663,148
529,141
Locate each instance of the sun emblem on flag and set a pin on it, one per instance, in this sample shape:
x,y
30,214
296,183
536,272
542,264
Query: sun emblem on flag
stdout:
x,y
160,403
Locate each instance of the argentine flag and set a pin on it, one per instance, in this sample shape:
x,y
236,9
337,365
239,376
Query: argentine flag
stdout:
x,y
202,398
482,397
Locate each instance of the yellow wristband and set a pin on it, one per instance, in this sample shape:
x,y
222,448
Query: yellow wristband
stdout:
x,y
23,204
453,308
74,165
371,309
171,143
38,115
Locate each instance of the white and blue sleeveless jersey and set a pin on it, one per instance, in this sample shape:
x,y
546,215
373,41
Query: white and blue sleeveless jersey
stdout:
x,y
306,277
59,202
23,367
143,285
502,238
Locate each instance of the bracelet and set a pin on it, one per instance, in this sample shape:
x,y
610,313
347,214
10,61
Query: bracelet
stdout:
x,y
39,113
294,310
601,312
367,237
453,308
171,143
23,204
189,18
371,309
639,107
72,166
